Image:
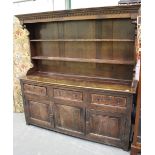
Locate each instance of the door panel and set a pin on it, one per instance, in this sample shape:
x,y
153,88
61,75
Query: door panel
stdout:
x,y
40,113
105,127
69,118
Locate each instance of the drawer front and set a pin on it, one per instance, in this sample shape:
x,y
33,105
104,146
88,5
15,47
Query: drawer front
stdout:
x,y
33,89
68,95
110,100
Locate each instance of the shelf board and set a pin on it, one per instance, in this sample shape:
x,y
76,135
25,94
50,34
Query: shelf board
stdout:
x,y
88,40
125,62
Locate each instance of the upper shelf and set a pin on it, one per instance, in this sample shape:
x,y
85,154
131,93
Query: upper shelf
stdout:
x,y
72,40
125,62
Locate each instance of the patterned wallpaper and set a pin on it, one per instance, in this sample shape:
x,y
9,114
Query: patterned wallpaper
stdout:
x,y
21,61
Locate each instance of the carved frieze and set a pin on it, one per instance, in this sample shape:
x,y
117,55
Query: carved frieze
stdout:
x,y
37,90
66,14
109,100
68,95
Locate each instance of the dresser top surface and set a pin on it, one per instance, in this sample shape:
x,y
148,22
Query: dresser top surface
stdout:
x,y
80,83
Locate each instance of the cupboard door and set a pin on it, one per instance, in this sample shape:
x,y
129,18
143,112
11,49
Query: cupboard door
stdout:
x,y
40,113
69,119
105,127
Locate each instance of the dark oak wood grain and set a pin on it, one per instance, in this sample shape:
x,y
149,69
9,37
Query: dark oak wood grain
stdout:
x,y
82,80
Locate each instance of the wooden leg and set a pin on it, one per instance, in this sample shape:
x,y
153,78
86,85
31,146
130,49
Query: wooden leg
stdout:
x,y
134,150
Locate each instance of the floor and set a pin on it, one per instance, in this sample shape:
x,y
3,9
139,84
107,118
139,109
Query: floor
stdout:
x,y
31,140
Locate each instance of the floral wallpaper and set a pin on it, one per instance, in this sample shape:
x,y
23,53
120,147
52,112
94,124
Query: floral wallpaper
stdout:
x,y
21,61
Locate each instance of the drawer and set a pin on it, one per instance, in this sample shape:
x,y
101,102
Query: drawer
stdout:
x,y
68,94
33,89
104,99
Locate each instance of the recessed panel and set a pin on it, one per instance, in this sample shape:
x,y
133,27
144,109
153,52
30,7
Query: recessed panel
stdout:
x,y
69,118
39,111
100,124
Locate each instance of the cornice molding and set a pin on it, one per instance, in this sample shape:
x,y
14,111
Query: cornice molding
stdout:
x,y
67,14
